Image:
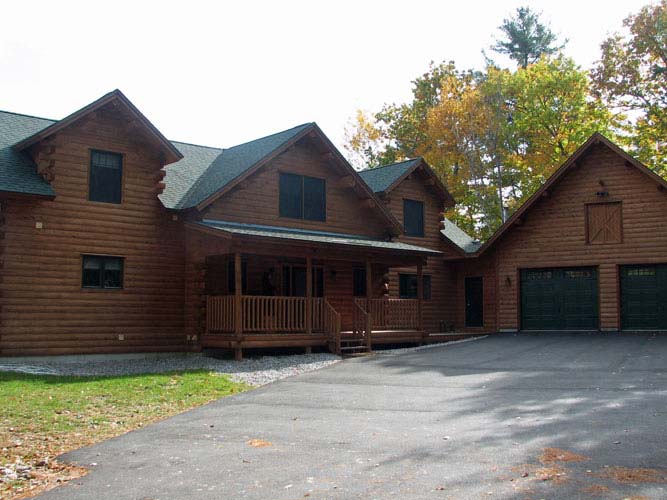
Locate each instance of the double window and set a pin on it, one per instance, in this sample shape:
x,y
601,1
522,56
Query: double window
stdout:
x,y
102,272
294,281
407,286
302,197
413,218
105,179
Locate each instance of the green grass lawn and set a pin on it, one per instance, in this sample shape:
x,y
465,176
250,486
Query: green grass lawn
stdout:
x,y
44,416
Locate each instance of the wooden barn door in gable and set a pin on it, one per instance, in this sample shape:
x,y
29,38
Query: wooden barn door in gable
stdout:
x,y
604,223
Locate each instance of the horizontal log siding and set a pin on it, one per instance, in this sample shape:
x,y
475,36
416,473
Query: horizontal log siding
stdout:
x,y
553,233
484,267
44,310
256,201
440,309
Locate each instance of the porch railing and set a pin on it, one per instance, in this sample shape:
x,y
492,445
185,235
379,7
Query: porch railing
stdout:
x,y
361,323
392,314
270,314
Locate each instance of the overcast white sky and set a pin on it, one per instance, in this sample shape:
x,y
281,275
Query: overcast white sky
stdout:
x,y
219,73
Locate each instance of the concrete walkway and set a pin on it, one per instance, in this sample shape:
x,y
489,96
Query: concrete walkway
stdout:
x,y
469,420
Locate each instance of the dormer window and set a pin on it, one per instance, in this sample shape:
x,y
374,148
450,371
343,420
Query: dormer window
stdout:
x,y
105,183
302,197
413,218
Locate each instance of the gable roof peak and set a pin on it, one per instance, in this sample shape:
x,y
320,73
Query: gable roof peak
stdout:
x,y
171,153
594,139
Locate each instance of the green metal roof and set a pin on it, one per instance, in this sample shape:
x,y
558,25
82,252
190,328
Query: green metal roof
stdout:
x,y
286,233
18,173
209,175
459,237
380,178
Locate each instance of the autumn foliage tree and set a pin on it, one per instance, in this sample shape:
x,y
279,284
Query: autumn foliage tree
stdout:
x,y
493,136
632,76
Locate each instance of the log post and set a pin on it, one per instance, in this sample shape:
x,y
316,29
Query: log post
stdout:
x,y
309,294
369,296
238,303
420,295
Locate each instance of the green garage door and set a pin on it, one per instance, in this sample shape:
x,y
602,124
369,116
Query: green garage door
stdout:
x,y
559,299
644,297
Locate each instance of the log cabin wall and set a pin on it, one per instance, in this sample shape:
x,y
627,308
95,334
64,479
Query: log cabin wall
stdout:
x,y
553,232
256,200
45,310
439,311
484,267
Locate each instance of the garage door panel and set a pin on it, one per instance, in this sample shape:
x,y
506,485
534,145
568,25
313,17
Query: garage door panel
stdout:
x,y
643,297
559,299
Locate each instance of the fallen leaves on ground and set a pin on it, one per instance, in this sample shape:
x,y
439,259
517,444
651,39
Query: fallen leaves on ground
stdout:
x,y
626,475
553,455
259,443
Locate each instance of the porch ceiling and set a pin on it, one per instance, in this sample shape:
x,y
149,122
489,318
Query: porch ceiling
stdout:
x,y
309,237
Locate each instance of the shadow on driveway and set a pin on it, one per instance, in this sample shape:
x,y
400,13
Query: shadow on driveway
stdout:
x,y
467,420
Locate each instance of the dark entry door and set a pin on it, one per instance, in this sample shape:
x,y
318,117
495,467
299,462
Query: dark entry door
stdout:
x,y
474,301
644,297
559,299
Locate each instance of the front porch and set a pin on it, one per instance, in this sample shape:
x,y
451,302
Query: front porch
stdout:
x,y
273,295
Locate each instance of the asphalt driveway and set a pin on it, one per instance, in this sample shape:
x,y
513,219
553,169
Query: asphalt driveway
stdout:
x,y
508,416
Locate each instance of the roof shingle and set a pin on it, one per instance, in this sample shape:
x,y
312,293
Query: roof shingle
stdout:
x,y
221,170
18,173
379,179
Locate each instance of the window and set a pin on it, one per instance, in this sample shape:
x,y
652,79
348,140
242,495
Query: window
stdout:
x,y
407,286
359,282
294,281
231,277
102,272
413,218
105,177
604,223
302,197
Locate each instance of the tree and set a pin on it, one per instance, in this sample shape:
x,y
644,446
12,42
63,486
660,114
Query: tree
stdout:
x,y
493,137
526,38
396,132
552,114
632,76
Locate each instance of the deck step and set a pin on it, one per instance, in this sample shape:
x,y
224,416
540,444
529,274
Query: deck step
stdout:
x,y
354,348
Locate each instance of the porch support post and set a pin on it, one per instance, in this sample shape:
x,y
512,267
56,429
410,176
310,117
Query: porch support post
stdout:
x,y
309,294
238,303
420,295
369,296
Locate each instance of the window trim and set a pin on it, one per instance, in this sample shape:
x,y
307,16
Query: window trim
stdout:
x,y
422,232
303,197
122,177
102,288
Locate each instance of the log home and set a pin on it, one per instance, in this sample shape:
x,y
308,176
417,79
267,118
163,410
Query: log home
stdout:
x,y
115,239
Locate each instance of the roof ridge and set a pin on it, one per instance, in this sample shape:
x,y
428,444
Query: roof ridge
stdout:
x,y
197,145
270,135
28,116
380,167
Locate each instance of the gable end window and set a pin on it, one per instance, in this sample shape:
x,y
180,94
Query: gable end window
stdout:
x,y
413,218
302,197
105,182
407,286
102,272
604,223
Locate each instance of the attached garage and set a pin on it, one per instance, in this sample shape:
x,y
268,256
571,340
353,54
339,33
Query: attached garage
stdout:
x,y
559,299
644,297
